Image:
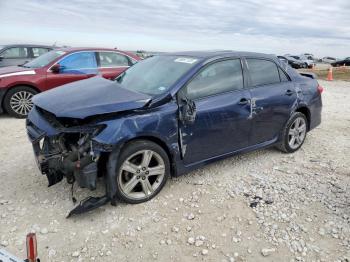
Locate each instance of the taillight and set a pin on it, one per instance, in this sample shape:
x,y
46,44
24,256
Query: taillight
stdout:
x,y
320,89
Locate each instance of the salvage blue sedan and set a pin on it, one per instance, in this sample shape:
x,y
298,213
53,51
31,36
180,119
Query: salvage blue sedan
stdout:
x,y
167,115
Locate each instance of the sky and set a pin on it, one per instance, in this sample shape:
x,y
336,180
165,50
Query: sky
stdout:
x,y
271,26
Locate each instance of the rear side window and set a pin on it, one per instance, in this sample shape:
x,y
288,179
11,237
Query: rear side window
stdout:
x,y
217,78
38,51
262,72
15,52
112,59
79,63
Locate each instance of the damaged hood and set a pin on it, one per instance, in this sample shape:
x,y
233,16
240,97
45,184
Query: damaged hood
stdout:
x,y
93,96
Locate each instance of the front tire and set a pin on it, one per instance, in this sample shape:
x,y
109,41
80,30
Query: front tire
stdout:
x,y
18,101
141,172
294,133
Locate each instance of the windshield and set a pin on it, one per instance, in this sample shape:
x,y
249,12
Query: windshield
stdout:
x,y
155,75
44,59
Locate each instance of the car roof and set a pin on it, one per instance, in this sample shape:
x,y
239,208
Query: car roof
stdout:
x,y
26,45
73,49
218,53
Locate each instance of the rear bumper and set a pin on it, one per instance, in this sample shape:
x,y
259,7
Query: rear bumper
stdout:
x,y
2,95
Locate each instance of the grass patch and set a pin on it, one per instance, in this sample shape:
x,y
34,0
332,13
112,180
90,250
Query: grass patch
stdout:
x,y
339,73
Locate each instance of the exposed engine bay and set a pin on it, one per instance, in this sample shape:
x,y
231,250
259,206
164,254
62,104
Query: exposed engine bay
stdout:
x,y
71,155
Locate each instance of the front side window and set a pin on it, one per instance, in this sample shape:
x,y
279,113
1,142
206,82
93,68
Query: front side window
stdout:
x,y
112,59
79,63
15,52
155,75
262,72
38,51
216,78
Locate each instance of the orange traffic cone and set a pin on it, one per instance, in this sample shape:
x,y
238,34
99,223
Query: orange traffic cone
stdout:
x,y
330,74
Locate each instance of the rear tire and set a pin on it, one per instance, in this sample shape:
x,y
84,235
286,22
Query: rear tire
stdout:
x,y
294,133
18,101
141,172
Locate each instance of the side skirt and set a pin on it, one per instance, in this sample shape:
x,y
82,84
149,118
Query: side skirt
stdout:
x,y
183,169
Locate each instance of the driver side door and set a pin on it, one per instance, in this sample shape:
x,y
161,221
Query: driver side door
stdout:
x,y
221,124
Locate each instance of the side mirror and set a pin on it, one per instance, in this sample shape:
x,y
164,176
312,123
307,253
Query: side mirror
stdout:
x,y
55,68
188,111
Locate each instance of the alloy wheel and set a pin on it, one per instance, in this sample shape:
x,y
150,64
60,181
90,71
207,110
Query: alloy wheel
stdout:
x,y
21,102
297,133
141,174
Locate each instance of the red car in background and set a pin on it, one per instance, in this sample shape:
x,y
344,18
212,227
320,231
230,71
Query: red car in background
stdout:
x,y
18,84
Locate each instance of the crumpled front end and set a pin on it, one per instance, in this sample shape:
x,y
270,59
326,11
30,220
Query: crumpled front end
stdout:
x,y
65,151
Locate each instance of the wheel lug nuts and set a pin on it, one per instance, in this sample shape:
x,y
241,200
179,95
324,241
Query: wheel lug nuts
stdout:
x,y
143,178
143,169
147,172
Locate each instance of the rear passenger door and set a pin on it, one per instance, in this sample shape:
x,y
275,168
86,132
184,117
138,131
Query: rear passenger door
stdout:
x,y
273,98
111,64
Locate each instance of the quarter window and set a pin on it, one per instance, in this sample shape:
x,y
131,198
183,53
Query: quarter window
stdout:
x,y
15,52
262,72
112,59
38,51
217,78
79,63
283,75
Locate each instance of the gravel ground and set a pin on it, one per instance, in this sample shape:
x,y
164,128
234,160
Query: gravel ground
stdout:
x,y
261,206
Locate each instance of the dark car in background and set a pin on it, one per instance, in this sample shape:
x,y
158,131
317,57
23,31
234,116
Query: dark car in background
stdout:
x,y
18,84
12,55
292,62
167,115
345,62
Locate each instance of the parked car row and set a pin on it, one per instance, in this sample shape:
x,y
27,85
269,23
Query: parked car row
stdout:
x,y
298,61
294,63
57,67
342,62
308,60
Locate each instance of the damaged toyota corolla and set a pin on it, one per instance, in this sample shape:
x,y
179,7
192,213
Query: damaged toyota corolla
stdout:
x,y
165,116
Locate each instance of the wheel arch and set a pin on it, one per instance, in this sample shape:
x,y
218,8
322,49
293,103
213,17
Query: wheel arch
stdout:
x,y
305,111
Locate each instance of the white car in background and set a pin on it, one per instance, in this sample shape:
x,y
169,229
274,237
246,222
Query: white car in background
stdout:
x,y
329,60
305,59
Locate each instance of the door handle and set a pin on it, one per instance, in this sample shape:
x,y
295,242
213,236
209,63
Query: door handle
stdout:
x,y
289,92
244,101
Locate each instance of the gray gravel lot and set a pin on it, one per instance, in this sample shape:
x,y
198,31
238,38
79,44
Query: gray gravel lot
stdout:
x,y
261,206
